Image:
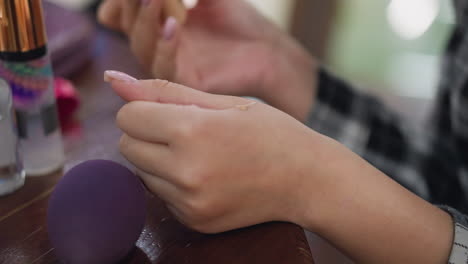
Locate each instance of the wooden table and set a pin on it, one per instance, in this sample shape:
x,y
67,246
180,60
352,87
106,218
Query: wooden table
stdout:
x,y
23,233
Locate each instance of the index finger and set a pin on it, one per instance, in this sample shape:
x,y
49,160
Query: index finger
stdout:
x,y
166,92
155,122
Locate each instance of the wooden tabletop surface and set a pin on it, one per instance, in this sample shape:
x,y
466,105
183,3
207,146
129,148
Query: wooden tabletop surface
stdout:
x,y
23,233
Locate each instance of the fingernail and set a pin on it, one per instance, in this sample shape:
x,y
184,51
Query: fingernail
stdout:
x,y
169,28
110,76
145,2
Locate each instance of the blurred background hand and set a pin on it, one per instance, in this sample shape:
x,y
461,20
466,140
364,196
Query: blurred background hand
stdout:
x,y
225,47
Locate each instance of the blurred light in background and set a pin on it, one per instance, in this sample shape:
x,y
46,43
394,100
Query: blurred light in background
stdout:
x,y
394,46
190,3
279,11
412,18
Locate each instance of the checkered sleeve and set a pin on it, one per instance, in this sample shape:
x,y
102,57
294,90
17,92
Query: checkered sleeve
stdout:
x,y
426,165
459,254
366,126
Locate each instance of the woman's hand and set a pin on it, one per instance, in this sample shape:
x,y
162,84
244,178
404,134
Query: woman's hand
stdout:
x,y
223,162
225,47
219,162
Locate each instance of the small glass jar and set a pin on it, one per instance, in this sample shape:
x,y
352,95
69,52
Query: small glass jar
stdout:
x,y
12,175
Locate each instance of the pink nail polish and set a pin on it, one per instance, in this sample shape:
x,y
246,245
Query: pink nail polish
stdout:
x,y
145,2
169,28
110,76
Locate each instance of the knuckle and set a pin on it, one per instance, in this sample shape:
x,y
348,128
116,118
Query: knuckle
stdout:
x,y
160,84
125,114
124,143
192,179
198,128
121,117
184,131
199,209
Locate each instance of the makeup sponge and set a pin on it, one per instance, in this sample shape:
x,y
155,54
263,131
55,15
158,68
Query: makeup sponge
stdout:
x,y
96,213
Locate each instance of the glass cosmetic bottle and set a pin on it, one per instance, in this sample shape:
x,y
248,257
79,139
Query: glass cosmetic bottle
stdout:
x,y
25,65
11,169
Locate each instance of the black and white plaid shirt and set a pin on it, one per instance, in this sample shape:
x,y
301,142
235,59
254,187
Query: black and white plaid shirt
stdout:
x,y
431,161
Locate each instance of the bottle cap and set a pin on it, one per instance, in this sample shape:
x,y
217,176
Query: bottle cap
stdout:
x,y
22,27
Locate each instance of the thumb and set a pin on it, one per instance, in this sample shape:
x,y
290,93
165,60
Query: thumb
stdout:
x,y
165,92
164,65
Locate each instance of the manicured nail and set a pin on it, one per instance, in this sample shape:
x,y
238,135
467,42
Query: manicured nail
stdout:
x,y
110,76
169,28
145,2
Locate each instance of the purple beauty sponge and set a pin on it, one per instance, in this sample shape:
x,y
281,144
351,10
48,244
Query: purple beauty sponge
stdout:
x,y
96,213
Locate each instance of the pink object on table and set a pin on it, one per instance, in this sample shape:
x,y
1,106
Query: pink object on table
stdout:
x,y
67,101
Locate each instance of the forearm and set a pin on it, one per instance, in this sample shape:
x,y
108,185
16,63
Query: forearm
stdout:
x,y
372,218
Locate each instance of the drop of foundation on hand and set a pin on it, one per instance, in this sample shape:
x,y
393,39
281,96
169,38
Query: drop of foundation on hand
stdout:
x,y
246,106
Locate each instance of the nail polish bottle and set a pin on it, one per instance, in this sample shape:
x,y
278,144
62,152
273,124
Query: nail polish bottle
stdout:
x,y
25,65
